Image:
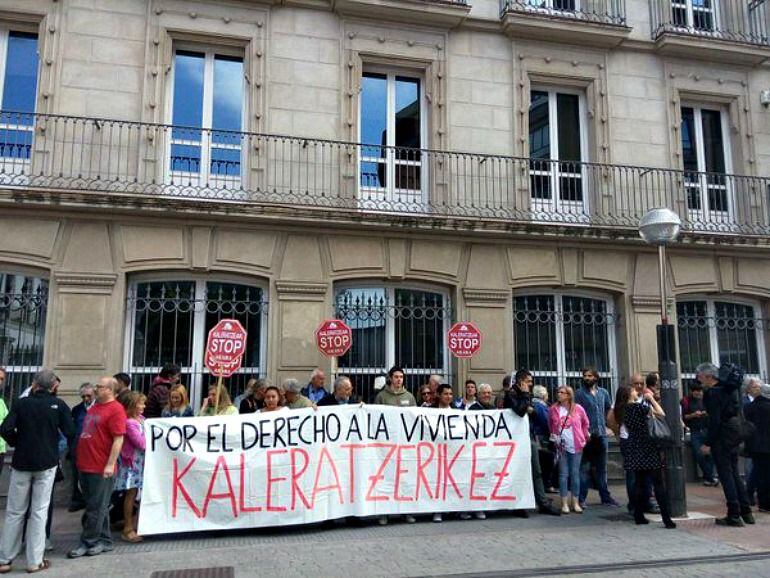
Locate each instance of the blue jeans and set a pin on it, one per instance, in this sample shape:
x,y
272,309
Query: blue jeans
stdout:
x,y
706,463
569,474
595,457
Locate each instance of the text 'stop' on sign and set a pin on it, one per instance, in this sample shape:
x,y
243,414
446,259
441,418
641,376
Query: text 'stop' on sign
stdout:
x,y
225,347
464,339
333,338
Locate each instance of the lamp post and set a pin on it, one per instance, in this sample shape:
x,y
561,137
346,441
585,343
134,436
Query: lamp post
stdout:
x,y
660,227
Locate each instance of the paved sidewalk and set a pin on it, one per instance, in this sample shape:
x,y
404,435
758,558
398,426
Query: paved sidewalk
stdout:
x,y
603,538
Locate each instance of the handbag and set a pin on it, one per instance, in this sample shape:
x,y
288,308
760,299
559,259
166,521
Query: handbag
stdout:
x,y
658,429
558,445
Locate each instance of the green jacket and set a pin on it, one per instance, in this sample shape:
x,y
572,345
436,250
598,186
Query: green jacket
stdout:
x,y
400,398
300,403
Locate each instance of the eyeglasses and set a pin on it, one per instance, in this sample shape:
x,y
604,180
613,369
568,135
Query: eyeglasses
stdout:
x,y
425,393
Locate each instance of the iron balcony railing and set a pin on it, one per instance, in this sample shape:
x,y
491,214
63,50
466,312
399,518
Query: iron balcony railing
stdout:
x,y
598,11
172,162
743,21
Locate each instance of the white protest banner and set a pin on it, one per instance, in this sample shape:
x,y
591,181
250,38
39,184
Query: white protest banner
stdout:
x,y
295,467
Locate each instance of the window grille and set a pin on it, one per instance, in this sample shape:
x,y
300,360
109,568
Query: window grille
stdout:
x,y
23,309
557,335
393,326
169,322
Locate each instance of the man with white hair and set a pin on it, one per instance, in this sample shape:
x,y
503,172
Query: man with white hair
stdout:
x,y
342,395
315,390
294,398
32,427
751,391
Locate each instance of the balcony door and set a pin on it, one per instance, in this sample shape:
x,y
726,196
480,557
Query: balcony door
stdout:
x,y
557,147
392,136
694,16
206,143
706,160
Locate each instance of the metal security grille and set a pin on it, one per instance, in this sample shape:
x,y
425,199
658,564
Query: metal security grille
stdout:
x,y
393,326
720,332
23,308
555,336
170,320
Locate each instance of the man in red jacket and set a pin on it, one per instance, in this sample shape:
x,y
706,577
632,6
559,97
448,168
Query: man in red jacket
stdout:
x,y
97,453
158,397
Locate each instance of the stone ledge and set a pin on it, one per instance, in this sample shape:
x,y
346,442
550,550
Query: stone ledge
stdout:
x,y
69,282
486,296
301,290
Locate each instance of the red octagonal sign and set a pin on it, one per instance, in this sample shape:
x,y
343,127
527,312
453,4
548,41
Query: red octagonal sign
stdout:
x,y
333,338
464,339
225,348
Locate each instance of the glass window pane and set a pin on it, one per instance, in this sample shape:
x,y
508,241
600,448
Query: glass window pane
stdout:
x,y
568,113
586,333
419,328
228,95
689,151
694,339
226,162
408,112
535,332
374,110
243,303
737,335
373,175
188,91
366,312
15,144
163,323
20,84
713,143
539,127
186,159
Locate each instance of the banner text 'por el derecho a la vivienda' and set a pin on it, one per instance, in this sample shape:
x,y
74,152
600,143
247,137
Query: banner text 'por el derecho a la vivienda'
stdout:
x,y
295,467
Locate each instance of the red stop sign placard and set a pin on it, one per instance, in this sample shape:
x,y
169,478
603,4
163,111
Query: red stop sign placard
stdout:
x,y
333,338
464,340
225,348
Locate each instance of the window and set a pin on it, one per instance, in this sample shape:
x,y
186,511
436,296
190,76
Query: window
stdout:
x,y
206,145
694,15
557,145
714,331
391,134
557,335
23,307
393,326
18,73
553,5
169,320
705,156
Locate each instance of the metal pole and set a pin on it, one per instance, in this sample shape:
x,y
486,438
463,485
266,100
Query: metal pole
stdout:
x,y
662,273
670,395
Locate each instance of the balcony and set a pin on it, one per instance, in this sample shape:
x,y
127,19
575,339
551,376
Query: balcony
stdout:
x,y
441,13
732,31
109,163
600,23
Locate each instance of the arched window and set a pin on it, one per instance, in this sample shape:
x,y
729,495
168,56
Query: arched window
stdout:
x,y
169,320
558,334
393,325
23,308
720,331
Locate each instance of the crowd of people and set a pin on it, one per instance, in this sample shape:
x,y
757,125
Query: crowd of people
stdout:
x,y
103,437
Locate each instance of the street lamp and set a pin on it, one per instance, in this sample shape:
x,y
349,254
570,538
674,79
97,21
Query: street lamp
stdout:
x,y
661,227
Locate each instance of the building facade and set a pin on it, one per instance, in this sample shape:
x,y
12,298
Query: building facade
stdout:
x,y
400,164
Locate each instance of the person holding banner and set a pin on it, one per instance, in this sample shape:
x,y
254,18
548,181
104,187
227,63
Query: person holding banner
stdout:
x,y
294,399
469,396
217,403
519,400
256,398
484,399
569,431
342,395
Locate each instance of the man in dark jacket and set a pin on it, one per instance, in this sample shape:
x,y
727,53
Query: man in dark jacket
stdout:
x,y
519,400
342,394
758,412
78,415
32,428
158,396
723,440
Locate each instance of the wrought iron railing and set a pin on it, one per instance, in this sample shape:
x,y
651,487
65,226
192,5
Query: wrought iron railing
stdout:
x,y
170,162
599,11
743,21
